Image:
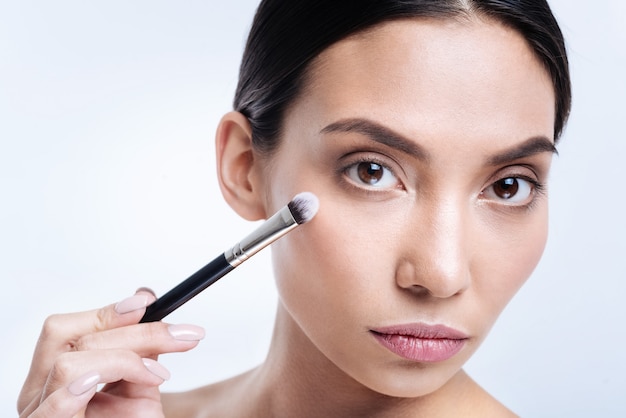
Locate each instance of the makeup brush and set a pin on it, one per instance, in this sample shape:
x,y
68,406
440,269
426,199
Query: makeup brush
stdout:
x,y
301,209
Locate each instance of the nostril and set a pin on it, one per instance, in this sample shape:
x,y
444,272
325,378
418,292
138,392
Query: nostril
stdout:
x,y
432,278
406,275
419,290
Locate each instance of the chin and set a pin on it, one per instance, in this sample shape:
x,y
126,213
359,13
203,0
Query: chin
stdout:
x,y
414,382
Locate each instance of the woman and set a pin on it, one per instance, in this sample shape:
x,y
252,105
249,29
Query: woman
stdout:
x,y
426,129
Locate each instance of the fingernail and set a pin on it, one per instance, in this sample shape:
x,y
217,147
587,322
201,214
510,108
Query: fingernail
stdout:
x,y
185,332
84,383
133,303
156,368
146,290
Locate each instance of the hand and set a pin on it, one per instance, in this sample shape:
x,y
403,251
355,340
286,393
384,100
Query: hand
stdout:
x,y
78,351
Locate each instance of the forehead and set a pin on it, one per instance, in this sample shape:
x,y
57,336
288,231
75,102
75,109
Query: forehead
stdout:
x,y
450,75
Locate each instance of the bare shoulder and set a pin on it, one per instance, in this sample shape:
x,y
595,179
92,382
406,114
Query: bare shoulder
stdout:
x,y
494,408
185,404
214,400
488,406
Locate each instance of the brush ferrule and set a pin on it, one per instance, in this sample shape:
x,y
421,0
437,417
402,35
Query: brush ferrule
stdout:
x,y
275,227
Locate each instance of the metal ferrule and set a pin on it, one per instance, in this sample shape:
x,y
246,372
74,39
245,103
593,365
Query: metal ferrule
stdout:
x,y
275,227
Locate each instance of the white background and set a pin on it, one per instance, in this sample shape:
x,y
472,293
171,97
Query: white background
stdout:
x,y
107,116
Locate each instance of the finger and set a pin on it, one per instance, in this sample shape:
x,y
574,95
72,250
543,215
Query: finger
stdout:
x,y
111,366
60,333
66,402
148,339
105,404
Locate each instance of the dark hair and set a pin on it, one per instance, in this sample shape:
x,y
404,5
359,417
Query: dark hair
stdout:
x,y
286,35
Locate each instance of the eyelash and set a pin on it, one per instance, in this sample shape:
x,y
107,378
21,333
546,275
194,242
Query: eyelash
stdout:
x,y
354,162
538,188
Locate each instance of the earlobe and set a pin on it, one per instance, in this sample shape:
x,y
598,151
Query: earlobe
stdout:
x,y
237,166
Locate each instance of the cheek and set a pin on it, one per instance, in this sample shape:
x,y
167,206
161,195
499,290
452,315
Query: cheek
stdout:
x,y
511,261
320,261
530,251
336,266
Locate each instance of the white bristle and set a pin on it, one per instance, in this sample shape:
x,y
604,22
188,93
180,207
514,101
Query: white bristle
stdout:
x,y
304,206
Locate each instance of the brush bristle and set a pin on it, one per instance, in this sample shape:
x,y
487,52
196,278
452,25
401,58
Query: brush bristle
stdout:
x,y
303,207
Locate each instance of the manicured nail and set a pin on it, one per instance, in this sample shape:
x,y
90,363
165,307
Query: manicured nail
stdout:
x,y
186,332
156,368
146,290
133,303
84,383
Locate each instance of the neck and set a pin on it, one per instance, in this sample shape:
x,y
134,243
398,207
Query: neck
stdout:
x,y
298,380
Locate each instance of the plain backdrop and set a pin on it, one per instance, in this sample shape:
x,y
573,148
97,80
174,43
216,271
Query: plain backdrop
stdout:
x,y
107,119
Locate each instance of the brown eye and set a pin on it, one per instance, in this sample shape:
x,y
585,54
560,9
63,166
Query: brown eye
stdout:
x,y
370,173
512,191
506,188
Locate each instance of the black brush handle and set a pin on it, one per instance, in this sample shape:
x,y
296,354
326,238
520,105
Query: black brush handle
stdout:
x,y
187,289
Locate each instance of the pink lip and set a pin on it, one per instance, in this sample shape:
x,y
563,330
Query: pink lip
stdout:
x,y
421,342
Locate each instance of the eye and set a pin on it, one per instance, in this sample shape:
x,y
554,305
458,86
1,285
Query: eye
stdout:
x,y
372,174
511,190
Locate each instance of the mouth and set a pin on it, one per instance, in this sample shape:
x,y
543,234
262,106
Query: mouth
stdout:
x,y
420,342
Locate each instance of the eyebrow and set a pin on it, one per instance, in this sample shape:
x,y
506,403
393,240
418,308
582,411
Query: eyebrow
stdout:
x,y
532,146
383,135
380,134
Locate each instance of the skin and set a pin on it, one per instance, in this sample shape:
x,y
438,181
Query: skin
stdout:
x,y
432,241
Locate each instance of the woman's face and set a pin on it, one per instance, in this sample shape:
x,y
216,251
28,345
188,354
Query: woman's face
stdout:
x,y
428,143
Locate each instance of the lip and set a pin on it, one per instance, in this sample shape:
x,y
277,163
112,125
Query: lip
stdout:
x,y
421,342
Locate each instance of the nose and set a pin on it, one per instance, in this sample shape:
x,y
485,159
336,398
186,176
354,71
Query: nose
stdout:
x,y
435,259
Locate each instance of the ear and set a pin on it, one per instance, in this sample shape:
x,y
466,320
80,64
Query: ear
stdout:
x,y
238,169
